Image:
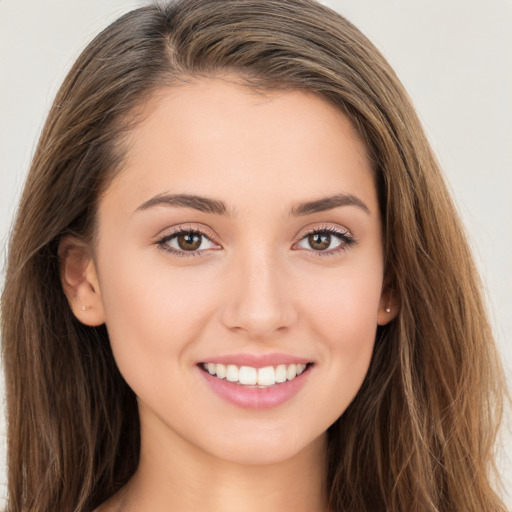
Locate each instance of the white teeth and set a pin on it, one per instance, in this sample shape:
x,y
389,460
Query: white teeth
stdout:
x,y
281,373
249,376
221,371
291,372
266,376
232,373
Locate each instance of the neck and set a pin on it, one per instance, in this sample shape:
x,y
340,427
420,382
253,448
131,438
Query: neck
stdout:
x,y
174,475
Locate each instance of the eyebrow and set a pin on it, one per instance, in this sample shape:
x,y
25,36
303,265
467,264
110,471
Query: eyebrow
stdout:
x,y
215,206
203,204
328,203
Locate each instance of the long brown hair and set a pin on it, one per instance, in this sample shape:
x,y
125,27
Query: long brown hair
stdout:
x,y
419,435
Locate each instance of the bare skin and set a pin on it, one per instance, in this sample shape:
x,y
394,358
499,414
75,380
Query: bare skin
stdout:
x,y
266,277
294,485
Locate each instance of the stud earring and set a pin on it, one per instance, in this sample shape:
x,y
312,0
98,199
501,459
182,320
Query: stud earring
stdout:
x,y
85,308
388,309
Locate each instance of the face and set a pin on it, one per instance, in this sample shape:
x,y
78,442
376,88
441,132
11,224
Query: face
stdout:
x,y
239,269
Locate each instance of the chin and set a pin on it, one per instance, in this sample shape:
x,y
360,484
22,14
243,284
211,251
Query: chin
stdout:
x,y
261,447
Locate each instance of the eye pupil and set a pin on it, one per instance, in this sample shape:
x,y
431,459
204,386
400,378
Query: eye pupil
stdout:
x,y
319,241
189,241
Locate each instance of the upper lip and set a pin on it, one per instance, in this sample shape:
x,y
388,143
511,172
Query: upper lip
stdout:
x,y
257,360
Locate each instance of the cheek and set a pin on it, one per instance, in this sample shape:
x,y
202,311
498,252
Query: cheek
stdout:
x,y
344,305
152,313
343,315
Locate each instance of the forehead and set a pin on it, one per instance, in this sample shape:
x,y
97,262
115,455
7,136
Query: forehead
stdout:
x,y
218,135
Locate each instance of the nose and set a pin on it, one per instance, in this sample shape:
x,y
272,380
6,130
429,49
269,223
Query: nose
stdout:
x,y
259,301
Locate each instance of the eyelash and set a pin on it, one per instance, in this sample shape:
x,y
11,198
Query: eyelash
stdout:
x,y
346,238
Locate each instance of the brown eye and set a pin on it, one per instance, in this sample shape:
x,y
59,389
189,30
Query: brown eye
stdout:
x,y
326,241
189,241
319,241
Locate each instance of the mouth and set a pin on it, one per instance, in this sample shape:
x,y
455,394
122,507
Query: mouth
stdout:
x,y
252,377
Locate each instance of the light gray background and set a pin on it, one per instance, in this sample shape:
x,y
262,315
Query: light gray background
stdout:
x,y
454,57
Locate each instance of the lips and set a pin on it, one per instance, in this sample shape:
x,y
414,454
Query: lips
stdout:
x,y
253,381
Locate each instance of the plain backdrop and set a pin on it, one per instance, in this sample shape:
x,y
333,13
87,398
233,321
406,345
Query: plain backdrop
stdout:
x,y
453,56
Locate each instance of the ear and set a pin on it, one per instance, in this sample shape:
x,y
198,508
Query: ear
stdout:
x,y
80,281
388,306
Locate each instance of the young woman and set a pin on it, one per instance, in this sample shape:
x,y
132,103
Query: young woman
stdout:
x,y
237,281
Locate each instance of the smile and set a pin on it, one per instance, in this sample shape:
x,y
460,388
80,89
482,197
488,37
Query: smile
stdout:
x,y
266,384
255,377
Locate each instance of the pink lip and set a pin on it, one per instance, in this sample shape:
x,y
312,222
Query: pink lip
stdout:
x,y
252,397
257,361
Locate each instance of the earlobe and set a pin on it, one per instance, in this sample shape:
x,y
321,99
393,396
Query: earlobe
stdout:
x,y
388,307
80,281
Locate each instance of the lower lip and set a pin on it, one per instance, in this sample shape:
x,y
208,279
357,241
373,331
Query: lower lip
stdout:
x,y
256,398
